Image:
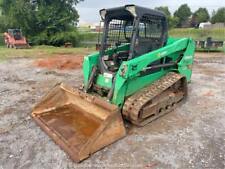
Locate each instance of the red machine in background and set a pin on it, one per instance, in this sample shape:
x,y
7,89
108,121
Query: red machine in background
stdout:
x,y
15,39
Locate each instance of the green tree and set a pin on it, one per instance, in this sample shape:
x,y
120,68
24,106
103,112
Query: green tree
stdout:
x,y
201,15
173,21
4,19
41,19
0,7
170,19
182,13
5,6
218,16
165,10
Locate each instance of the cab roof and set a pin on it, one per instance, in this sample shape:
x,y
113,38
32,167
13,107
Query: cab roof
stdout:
x,y
129,11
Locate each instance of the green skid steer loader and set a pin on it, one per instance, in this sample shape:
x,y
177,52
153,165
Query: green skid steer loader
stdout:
x,y
139,74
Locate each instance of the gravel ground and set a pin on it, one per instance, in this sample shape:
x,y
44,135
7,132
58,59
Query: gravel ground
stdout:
x,y
192,136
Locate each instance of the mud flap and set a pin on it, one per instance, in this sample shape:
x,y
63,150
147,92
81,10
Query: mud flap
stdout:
x,y
79,123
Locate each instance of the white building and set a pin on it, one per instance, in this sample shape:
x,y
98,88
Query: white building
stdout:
x,y
204,25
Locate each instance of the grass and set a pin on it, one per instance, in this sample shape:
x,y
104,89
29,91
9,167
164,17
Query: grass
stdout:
x,y
198,34
42,51
201,34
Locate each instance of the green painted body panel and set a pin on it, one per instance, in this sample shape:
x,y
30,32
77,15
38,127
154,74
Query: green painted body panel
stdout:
x,y
104,81
88,63
140,82
129,80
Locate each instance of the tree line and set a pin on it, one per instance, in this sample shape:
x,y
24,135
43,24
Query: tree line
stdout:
x,y
183,16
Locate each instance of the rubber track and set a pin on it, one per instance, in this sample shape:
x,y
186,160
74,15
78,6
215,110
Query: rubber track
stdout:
x,y
135,103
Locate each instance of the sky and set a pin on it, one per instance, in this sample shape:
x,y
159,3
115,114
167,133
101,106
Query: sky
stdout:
x,y
89,9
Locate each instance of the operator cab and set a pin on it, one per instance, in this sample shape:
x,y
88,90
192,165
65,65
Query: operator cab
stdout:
x,y
16,33
130,32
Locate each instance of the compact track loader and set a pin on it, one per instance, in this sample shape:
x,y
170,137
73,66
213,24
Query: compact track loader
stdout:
x,y
139,74
15,39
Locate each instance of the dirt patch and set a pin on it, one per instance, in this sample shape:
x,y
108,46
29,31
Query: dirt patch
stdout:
x,y
209,93
61,62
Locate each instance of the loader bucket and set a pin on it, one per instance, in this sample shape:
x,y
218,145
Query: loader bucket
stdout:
x,y
79,123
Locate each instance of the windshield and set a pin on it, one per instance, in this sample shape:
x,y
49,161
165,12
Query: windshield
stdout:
x,y
150,28
118,32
